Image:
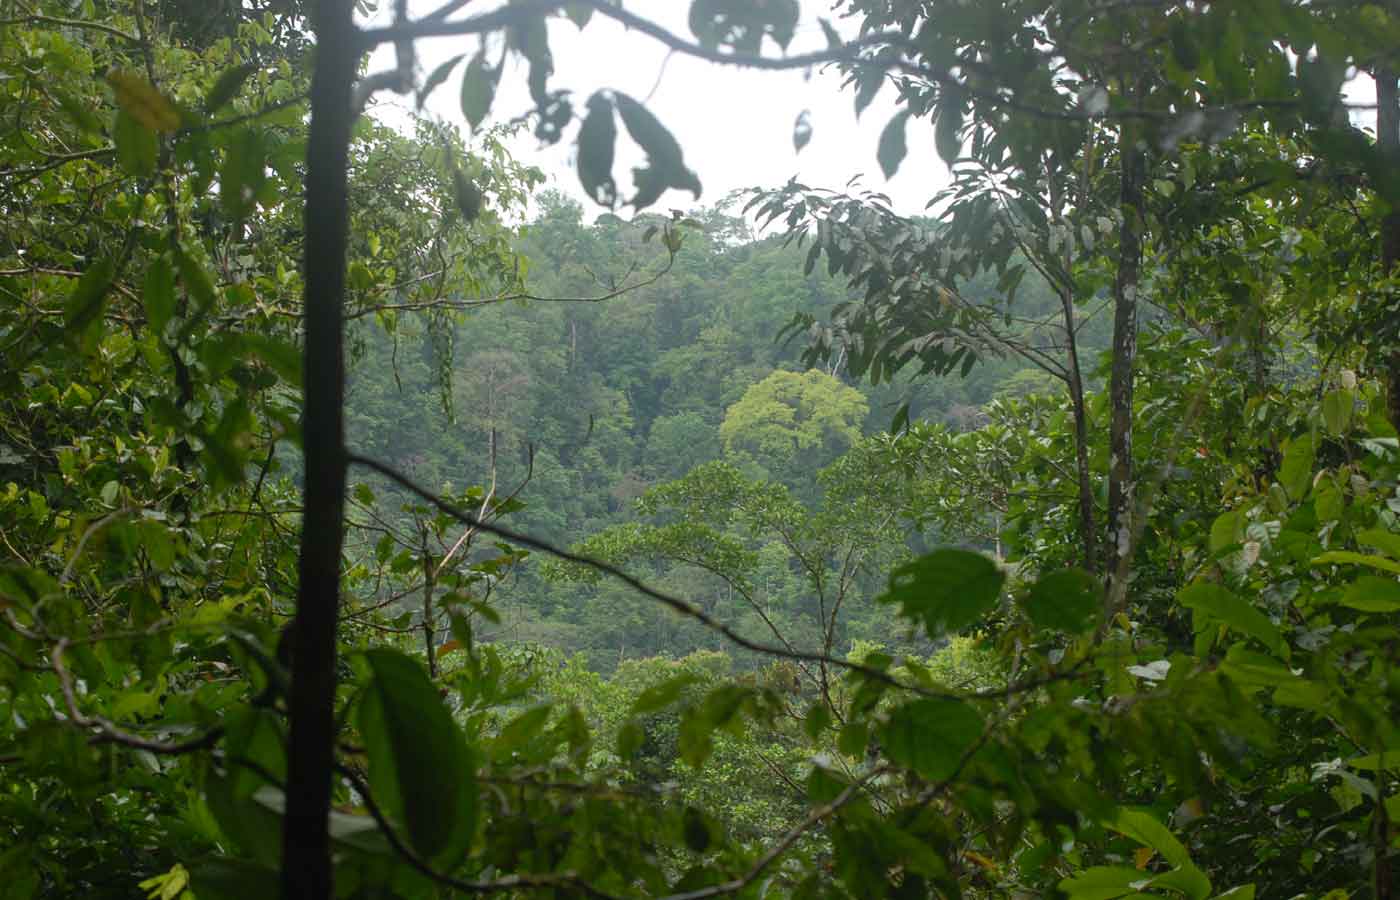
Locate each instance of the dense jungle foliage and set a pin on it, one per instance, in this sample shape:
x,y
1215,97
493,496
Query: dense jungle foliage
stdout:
x,y
362,541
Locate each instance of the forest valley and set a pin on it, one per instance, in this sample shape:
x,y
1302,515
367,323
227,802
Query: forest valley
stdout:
x,y
378,522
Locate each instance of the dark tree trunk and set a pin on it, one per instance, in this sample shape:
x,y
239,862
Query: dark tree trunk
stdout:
x,y
306,862
1121,493
1388,143
1087,528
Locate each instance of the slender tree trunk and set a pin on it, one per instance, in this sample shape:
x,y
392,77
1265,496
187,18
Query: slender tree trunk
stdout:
x,y
1087,528
429,582
1121,499
1388,143
306,861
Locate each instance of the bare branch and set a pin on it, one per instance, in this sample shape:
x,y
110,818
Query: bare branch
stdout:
x,y
676,604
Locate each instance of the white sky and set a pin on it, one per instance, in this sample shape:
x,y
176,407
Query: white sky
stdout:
x,y
734,125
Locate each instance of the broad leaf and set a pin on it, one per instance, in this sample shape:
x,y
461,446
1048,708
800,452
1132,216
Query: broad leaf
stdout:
x,y
227,86
947,590
1213,603
1373,594
932,736
478,89
437,77
892,146
82,311
665,166
1067,600
140,99
421,768
597,139
158,294
1296,472
137,145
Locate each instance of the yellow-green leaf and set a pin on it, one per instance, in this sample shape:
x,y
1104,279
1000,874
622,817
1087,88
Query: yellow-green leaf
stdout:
x,y
143,102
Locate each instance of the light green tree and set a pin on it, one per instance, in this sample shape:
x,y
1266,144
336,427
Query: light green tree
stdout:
x,y
794,422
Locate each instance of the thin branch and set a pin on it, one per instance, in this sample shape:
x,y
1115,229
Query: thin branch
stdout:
x,y
676,604
73,23
108,731
495,885
785,843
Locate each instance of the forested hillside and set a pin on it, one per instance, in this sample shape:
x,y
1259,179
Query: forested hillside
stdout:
x,y
579,407
376,522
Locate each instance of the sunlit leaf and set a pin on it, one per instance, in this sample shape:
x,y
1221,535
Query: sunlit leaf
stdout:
x,y
140,99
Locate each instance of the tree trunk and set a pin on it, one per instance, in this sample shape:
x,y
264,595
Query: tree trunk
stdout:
x,y
306,861
1088,534
1121,499
1388,143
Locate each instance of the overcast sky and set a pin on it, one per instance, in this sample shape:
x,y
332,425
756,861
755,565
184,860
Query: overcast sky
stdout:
x,y
735,126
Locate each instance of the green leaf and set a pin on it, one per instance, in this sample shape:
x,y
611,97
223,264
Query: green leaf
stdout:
x,y
242,175
1226,530
1384,541
892,147
437,77
900,423
195,279
947,134
1187,880
519,731
82,310
659,696
79,111
420,766
227,86
1296,472
1250,668
1146,830
1214,603
630,738
1337,409
932,735
1372,762
478,89
1067,600
158,544
137,146
158,293
1348,557
597,139
1103,883
947,590
282,357
1373,594
143,102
